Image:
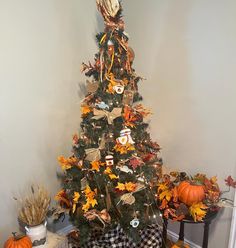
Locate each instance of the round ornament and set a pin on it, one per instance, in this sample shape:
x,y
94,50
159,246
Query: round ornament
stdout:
x,y
134,223
119,89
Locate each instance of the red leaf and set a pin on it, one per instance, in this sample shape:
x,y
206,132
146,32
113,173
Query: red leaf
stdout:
x,y
135,162
230,182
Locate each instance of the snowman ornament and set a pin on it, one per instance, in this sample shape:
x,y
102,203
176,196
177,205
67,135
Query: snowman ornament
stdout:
x,y
125,137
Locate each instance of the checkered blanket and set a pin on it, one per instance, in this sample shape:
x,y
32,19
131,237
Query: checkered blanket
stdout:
x,y
151,237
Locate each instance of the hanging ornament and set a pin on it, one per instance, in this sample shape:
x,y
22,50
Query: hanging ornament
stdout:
x,y
110,47
102,105
128,97
109,160
119,89
134,223
125,169
128,198
125,137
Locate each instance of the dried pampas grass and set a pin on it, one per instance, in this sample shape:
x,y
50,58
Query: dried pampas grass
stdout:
x,y
34,207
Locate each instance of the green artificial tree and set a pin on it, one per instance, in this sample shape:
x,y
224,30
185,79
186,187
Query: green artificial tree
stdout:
x,y
112,175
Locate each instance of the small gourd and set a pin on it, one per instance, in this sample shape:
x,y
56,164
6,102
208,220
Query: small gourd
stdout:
x,y
18,241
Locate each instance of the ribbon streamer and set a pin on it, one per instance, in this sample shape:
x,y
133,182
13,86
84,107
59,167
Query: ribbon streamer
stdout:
x,y
115,113
112,61
101,60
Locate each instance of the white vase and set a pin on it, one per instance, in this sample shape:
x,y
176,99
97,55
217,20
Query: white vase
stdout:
x,y
38,235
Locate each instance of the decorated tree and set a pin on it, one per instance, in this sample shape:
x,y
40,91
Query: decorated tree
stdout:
x,y
110,178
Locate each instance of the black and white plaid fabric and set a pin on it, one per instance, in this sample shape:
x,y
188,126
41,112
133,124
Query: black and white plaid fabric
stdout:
x,y
151,237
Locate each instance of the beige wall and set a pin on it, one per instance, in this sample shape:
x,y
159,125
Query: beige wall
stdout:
x,y
42,44
186,49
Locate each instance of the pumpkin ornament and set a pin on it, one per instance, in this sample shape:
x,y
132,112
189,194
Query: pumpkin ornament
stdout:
x,y
18,241
190,193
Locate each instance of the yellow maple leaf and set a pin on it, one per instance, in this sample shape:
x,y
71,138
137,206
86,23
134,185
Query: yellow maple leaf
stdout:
x,y
113,176
162,187
76,197
123,149
86,207
95,165
107,171
167,194
130,186
93,202
198,211
85,110
214,179
121,186
87,190
75,200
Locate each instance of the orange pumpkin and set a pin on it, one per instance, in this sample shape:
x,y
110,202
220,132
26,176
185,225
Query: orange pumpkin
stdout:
x,y
18,241
190,193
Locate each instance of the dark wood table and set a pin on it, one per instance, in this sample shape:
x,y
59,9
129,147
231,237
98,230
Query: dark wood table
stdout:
x,y
206,221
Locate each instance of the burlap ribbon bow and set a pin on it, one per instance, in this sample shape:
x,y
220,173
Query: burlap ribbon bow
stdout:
x,y
94,154
103,216
99,113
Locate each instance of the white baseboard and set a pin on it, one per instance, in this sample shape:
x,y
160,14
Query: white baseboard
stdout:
x,y
174,237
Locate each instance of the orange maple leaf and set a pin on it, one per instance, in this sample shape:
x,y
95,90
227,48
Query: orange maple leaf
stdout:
x,y
95,165
175,194
67,163
130,186
86,109
164,204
